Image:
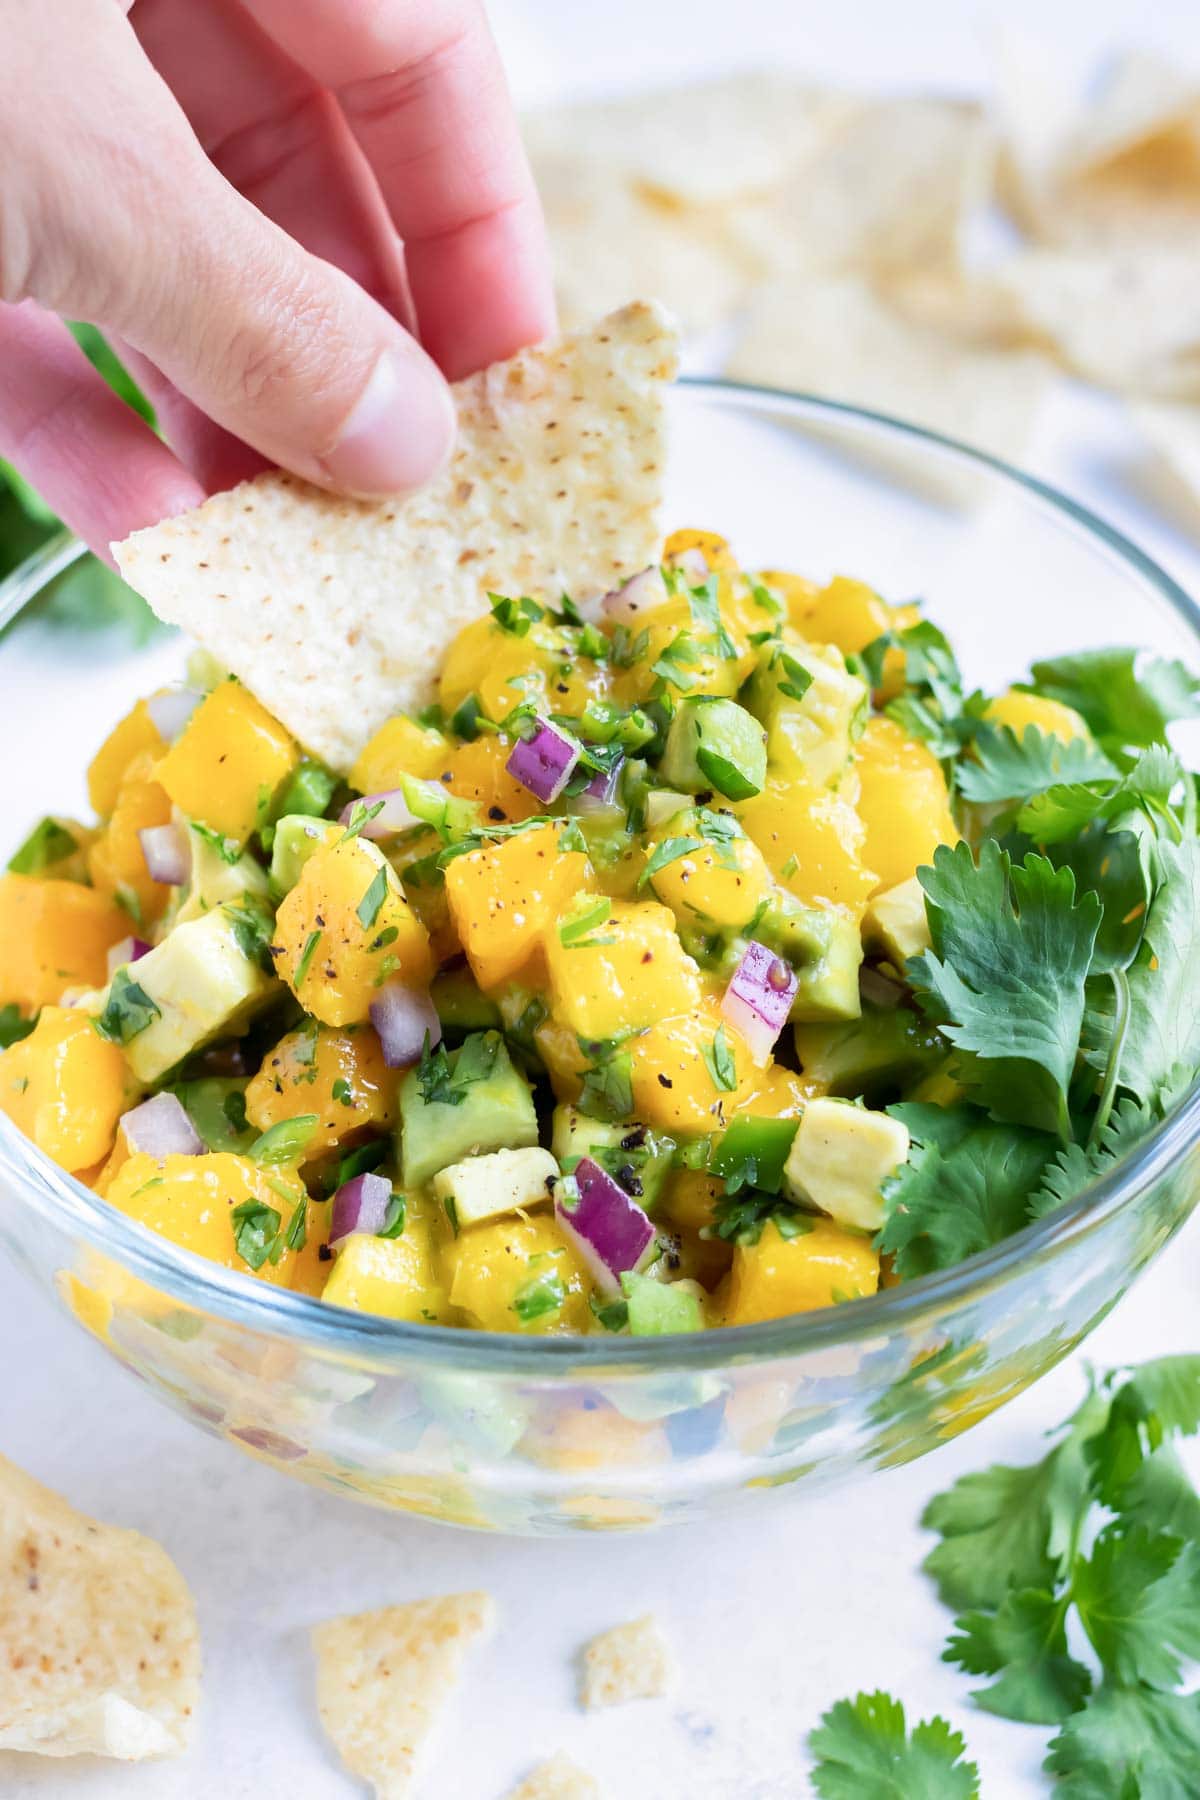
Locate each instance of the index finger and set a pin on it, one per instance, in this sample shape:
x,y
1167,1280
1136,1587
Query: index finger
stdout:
x,y
424,92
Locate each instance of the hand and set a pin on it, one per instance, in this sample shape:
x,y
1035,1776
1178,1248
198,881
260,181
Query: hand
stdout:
x,y
254,198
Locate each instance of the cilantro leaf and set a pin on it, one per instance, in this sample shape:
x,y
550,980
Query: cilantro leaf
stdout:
x,y
718,1060
1004,767
1163,1030
996,1529
668,851
1160,1495
255,1232
1074,1168
1062,812
1129,1744
12,1026
863,1747
966,1185
1005,977
444,1078
1024,1643
372,900
1124,704
128,1009
1138,1597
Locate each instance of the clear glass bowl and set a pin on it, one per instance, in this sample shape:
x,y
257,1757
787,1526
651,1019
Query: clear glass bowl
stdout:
x,y
553,1435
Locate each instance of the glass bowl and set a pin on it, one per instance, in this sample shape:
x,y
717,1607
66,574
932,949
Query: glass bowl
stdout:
x,y
554,1435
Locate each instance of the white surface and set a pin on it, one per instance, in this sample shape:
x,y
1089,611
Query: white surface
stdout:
x,y
773,1619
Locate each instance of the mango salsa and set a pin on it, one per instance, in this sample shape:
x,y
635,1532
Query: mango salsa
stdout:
x,y
228,762
66,1088
54,936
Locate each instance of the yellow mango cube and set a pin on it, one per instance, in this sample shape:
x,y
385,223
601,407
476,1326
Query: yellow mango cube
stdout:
x,y
852,615
399,747
814,843
903,801
630,972
135,735
505,897
518,1275
338,1075
1053,719
716,884
393,1277
115,860
65,1087
192,1201
478,771
782,1275
54,935
346,928
674,1063
227,763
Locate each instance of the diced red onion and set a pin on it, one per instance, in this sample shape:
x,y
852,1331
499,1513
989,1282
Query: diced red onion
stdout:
x,y
759,998
606,1225
170,710
404,1017
394,815
626,604
128,950
602,788
543,763
161,1127
359,1206
166,853
693,565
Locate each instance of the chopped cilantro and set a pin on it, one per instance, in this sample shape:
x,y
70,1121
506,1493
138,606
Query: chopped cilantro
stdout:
x,y
296,1235
444,1078
256,1232
48,843
585,915
227,848
306,956
342,1092
515,616
394,1216
368,907
251,925
797,679
677,661
718,1060
464,720
13,1027
607,1091
128,1009
360,814
541,1294
668,851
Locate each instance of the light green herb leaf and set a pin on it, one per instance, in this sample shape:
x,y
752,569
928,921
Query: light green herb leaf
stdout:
x,y
1129,1744
1024,1643
1003,767
1127,699
863,1748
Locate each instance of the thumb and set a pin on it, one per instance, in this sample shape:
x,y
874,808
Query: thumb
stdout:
x,y
276,345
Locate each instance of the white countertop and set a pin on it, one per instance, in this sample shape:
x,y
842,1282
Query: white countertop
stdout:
x,y
772,1618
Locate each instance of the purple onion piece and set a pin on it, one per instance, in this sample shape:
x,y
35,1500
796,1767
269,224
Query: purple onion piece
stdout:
x,y
543,763
608,1228
170,710
359,1207
161,1127
602,788
759,998
403,1018
394,814
626,604
129,950
166,854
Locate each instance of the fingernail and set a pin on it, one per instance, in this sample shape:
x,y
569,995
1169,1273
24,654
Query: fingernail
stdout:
x,y
400,431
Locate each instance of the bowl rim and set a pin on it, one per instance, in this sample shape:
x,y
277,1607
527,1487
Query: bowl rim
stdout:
x,y
197,1283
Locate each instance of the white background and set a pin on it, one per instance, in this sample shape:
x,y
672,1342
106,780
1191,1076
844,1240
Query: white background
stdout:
x,y
772,1618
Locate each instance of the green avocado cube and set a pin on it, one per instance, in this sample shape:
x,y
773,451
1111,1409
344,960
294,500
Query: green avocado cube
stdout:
x,y
452,1111
716,744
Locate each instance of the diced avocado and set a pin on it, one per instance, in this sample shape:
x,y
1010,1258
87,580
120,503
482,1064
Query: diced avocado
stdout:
x,y
876,1057
662,804
493,1112
896,922
203,985
638,1158
460,1003
308,789
715,744
812,708
503,1181
841,1157
216,1105
829,986
218,873
296,837
657,1308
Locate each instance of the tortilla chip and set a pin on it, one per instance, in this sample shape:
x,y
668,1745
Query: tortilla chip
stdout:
x,y
557,1779
336,613
383,1677
840,339
630,1662
1142,100
98,1641
1128,320
1174,432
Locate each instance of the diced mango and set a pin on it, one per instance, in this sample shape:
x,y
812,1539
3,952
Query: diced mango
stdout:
x,y
673,1067
134,735
903,801
814,842
798,593
228,762
116,863
778,1275
191,1200
566,1063
1019,711
65,1087
505,897
478,771
672,631
499,668
719,884
399,747
393,1277
54,935
712,546
518,1275
631,972
778,1093
852,615
338,1075
344,929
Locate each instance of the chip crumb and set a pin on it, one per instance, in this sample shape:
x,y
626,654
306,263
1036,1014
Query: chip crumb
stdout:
x,y
557,1779
383,1677
98,1636
629,1662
